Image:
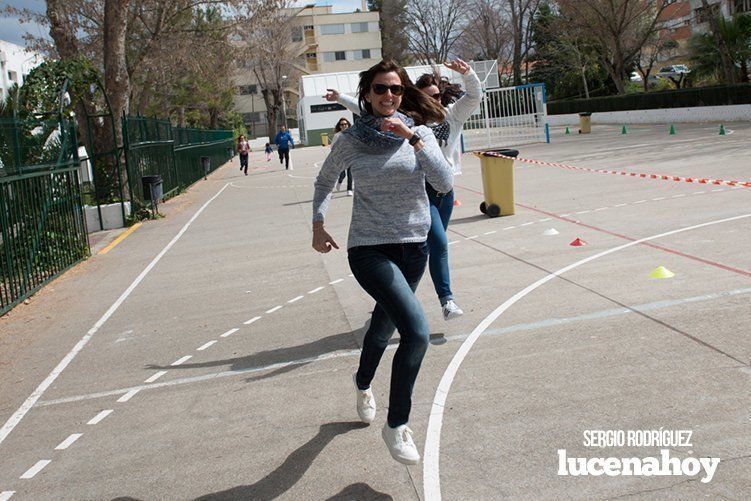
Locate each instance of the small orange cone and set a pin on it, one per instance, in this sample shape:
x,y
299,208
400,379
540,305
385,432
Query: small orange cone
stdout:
x,y
578,242
457,203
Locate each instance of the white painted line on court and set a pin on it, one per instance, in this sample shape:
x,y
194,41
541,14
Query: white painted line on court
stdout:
x,y
206,345
31,400
620,205
295,299
508,228
679,195
6,495
543,220
564,215
336,281
639,202
718,189
31,472
601,208
155,376
431,456
454,242
275,308
181,361
247,322
526,224
351,275
98,418
583,212
698,193
489,232
315,290
658,199
232,331
68,441
472,237
128,395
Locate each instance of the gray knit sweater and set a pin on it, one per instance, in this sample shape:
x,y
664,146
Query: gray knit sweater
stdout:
x,y
390,204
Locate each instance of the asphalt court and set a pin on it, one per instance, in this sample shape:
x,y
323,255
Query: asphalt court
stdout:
x,y
248,339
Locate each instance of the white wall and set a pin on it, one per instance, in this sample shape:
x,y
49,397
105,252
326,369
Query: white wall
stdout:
x,y
716,114
19,61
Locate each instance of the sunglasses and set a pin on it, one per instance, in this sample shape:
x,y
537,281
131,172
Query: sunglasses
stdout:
x,y
343,124
396,90
436,96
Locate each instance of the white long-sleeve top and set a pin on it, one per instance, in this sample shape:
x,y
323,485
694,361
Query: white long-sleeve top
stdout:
x,y
456,114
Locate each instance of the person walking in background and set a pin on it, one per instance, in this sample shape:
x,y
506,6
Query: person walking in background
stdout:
x,y
458,107
268,151
387,249
342,125
283,141
243,149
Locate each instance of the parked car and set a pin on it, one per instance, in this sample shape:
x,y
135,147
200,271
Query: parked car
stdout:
x,y
673,71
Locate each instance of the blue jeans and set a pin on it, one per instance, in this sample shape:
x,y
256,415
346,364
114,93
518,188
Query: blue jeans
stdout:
x,y
441,208
347,173
390,273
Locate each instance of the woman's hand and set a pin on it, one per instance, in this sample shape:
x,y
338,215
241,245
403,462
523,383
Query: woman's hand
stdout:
x,y
457,65
397,127
322,241
331,95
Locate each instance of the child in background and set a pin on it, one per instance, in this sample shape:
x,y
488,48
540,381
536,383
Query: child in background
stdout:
x,y
268,151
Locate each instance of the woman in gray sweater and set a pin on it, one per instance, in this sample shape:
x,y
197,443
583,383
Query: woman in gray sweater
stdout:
x,y
391,157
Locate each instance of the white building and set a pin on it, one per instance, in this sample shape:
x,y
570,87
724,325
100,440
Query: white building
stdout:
x,y
15,63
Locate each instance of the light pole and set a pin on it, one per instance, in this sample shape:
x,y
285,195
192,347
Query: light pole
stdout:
x,y
284,104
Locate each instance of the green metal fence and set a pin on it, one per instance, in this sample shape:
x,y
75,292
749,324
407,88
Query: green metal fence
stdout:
x,y
41,221
684,98
153,146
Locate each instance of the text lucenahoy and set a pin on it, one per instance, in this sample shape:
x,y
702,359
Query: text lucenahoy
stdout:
x,y
665,465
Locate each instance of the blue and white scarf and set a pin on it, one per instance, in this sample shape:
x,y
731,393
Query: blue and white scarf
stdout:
x,y
367,130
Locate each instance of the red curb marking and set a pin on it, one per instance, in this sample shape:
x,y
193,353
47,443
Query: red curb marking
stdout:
x,y
626,173
625,237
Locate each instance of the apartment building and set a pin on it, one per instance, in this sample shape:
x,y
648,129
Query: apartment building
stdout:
x,y
15,63
322,41
700,14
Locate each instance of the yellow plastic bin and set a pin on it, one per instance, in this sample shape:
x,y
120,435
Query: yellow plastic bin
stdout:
x,y
498,182
324,139
585,123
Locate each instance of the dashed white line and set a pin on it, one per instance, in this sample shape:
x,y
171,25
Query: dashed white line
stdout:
x,y
6,495
206,345
639,201
248,322
620,205
351,275
98,418
508,228
315,290
585,211
658,199
679,195
181,360
543,220
718,189
336,281
128,395
155,376
232,331
698,193
275,308
472,237
489,232
601,208
526,224
564,215
454,242
68,441
295,299
31,472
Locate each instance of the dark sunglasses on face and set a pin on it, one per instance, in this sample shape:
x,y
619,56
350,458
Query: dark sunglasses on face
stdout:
x,y
396,90
343,124
436,96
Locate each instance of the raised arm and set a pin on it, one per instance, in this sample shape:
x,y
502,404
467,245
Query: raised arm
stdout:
x,y
349,102
460,111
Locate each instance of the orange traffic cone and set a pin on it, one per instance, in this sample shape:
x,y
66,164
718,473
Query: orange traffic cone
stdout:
x,y
578,242
457,203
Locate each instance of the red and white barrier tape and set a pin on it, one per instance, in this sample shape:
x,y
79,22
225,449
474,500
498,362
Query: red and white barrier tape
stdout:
x,y
697,180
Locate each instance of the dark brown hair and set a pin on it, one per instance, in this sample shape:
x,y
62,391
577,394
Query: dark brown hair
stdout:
x,y
421,108
449,92
338,122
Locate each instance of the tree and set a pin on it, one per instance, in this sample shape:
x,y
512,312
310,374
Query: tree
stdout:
x,y
658,46
620,29
521,14
393,25
486,33
705,53
434,27
715,18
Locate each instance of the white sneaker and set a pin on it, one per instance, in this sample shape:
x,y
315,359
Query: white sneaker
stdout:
x,y
338,186
451,310
366,406
400,444
350,193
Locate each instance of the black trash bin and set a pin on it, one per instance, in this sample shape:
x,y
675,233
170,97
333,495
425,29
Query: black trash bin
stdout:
x,y
152,187
206,163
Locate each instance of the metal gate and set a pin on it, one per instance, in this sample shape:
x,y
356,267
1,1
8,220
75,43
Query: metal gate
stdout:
x,y
508,117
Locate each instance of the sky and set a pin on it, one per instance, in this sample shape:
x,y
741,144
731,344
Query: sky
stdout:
x,y
12,31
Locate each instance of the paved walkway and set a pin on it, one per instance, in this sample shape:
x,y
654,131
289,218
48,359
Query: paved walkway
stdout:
x,y
209,355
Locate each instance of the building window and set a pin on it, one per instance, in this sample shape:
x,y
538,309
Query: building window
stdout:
x,y
359,27
742,6
362,54
310,55
332,29
340,55
297,34
13,76
246,90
